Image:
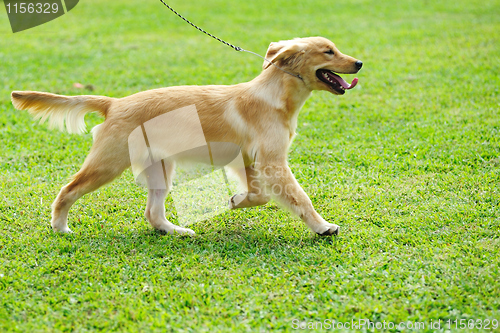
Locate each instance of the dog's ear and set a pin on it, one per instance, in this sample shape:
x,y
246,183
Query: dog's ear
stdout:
x,y
281,51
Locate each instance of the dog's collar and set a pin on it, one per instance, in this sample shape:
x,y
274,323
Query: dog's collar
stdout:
x,y
284,70
296,75
272,63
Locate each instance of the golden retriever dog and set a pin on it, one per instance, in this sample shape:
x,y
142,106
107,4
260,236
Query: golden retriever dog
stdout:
x,y
259,116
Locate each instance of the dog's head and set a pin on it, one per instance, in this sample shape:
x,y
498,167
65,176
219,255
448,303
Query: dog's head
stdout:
x,y
316,60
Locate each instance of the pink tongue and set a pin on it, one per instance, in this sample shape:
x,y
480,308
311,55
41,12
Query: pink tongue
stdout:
x,y
354,83
343,83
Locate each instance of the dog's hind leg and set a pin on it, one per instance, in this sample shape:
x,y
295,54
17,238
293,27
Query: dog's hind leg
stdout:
x,y
159,178
103,164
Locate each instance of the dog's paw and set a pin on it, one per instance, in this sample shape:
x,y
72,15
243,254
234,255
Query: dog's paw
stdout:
x,y
329,230
235,200
63,230
60,225
183,231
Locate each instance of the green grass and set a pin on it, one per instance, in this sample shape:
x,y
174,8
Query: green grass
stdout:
x,y
408,163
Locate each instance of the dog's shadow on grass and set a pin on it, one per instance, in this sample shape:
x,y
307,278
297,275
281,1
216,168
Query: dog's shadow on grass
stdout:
x,y
235,242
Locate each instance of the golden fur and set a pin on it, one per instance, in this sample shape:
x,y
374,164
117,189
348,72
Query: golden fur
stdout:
x,y
259,116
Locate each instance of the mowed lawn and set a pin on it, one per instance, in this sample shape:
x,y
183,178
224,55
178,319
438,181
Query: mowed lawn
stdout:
x,y
407,163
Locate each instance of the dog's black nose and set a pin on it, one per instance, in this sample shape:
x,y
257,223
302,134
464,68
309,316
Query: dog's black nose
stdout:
x,y
359,64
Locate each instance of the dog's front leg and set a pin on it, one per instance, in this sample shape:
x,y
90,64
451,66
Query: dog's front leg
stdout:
x,y
285,189
256,194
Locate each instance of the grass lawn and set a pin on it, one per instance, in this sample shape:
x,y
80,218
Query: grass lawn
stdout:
x,y
407,163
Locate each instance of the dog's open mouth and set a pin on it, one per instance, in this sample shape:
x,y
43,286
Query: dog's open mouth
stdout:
x,y
334,81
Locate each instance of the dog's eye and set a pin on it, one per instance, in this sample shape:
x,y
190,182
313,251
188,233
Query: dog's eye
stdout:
x,y
330,52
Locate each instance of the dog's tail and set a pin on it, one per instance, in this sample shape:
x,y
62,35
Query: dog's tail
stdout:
x,y
61,109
